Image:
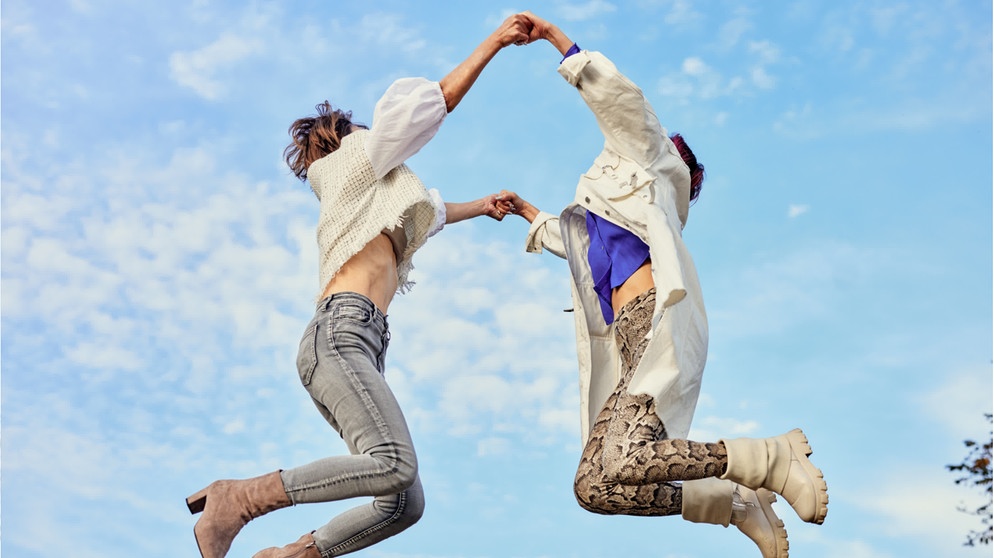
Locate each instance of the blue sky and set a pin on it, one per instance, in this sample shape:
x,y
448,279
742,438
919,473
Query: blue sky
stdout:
x,y
159,265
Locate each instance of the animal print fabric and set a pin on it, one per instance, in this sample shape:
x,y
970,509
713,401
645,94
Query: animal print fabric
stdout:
x,y
629,464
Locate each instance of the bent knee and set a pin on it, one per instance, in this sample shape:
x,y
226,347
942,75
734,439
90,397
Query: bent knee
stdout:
x,y
413,507
398,472
402,509
592,495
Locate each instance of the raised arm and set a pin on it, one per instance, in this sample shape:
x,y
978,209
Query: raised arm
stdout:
x,y
514,30
625,117
412,109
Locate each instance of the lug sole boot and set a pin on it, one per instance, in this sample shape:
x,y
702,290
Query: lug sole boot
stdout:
x,y
722,502
780,465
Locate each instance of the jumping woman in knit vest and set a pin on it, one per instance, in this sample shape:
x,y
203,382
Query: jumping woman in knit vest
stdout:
x,y
374,215
642,331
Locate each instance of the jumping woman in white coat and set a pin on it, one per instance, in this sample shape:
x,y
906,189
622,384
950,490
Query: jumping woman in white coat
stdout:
x,y
642,330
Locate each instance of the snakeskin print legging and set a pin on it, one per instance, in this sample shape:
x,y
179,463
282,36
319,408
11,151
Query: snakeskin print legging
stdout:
x,y
629,464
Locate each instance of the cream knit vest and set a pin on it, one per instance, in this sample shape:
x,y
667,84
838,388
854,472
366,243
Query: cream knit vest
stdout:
x,y
355,208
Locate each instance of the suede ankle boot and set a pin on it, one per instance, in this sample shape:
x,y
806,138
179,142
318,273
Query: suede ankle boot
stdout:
x,y
228,505
304,547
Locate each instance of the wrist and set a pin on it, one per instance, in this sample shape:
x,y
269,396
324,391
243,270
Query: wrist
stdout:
x,y
528,211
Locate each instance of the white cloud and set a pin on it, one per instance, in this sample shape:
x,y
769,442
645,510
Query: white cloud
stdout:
x,y
694,66
493,446
766,51
700,80
387,30
799,122
732,31
100,356
796,210
928,511
960,401
761,79
199,69
707,80
682,13
790,289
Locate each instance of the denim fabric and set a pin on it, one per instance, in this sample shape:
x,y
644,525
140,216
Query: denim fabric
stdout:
x,y
340,363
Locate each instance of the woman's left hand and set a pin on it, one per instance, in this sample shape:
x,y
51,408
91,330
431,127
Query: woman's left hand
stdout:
x,y
496,209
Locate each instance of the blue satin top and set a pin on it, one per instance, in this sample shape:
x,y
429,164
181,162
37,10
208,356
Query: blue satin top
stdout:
x,y
614,255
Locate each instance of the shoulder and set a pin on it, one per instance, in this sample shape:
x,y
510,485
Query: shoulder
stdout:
x,y
350,154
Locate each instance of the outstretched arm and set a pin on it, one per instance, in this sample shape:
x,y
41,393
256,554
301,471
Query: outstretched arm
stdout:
x,y
487,205
514,30
544,233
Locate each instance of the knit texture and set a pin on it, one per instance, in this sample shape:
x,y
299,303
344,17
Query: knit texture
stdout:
x,y
355,207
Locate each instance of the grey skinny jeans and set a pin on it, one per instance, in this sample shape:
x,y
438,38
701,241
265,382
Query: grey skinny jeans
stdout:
x,y
341,365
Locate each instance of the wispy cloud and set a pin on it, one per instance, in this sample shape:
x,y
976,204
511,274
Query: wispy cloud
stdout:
x,y
796,210
198,69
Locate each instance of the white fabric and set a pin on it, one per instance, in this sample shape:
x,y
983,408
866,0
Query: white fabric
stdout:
x,y
365,189
406,117
440,212
640,182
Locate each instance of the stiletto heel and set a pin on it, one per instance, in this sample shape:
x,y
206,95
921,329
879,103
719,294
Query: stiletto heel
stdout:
x,y
197,502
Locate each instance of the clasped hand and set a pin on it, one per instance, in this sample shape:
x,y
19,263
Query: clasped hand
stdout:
x,y
497,206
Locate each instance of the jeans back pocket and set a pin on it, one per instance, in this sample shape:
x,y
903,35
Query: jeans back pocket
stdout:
x,y
307,354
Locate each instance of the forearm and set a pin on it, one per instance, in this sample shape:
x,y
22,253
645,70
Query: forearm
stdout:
x,y
526,210
514,30
458,82
557,37
455,212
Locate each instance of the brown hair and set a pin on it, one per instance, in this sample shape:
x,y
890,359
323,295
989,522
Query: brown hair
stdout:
x,y
696,169
315,136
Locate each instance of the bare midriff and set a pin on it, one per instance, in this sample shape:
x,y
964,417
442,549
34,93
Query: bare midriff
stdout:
x,y
372,272
638,283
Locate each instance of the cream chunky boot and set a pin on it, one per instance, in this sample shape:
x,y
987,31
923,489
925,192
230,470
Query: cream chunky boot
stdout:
x,y
780,465
228,505
720,502
303,548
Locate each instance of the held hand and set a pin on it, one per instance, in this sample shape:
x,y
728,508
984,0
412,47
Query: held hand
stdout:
x,y
539,27
514,30
510,200
515,204
542,29
495,209
505,207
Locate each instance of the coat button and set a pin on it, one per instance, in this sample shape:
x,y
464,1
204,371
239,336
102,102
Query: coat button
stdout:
x,y
587,199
